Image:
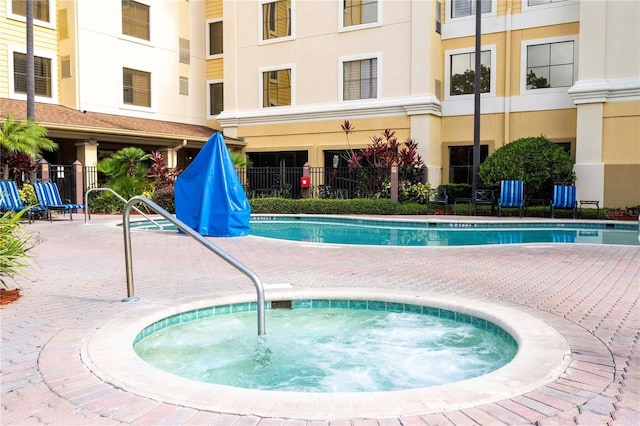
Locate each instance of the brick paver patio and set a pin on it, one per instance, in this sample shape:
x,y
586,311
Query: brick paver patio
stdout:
x,y
589,293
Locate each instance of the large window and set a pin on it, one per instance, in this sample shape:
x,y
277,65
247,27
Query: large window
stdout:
x,y
550,65
460,8
135,19
276,19
40,9
358,12
461,162
461,79
136,87
276,88
539,2
216,98
360,79
42,74
215,38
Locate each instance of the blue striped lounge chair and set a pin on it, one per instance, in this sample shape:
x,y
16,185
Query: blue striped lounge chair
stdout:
x,y
10,200
511,195
564,197
49,198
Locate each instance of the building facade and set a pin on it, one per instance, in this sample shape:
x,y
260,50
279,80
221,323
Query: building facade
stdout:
x,y
279,77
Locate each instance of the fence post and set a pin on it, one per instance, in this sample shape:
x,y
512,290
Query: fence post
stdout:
x,y
394,181
79,182
44,170
306,172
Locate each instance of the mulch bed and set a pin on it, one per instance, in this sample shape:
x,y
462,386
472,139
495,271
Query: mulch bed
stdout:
x,y
8,296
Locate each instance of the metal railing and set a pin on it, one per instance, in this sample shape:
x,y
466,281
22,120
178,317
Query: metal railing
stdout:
x,y
87,214
126,227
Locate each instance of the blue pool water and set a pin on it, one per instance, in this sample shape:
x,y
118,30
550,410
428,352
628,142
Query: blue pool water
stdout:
x,y
415,233
327,346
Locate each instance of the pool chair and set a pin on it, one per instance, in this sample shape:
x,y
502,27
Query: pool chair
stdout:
x,y
49,198
564,197
438,196
511,195
10,200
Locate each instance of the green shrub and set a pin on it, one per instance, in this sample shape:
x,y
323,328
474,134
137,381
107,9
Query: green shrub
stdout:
x,y
369,206
164,196
28,195
14,245
456,190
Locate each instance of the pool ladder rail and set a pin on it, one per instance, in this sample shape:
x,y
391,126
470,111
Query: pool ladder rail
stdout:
x,y
126,227
87,214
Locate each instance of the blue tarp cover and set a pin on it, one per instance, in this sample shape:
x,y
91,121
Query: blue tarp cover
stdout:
x,y
209,196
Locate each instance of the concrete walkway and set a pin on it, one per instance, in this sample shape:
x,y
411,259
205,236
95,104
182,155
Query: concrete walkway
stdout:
x,y
589,293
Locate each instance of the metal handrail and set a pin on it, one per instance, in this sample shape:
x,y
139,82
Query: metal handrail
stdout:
x,y
187,230
87,215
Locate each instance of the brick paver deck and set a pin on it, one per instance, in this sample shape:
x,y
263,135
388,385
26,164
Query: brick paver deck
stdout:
x,y
589,293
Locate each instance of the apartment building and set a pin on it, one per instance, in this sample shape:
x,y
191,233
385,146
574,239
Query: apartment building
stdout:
x,y
279,77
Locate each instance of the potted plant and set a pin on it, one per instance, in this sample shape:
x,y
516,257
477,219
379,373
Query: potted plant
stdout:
x,y
14,259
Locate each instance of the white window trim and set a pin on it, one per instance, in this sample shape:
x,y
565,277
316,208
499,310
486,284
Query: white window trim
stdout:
x,y
151,26
208,39
52,15
342,28
447,73
208,84
343,59
132,107
282,67
523,64
449,11
261,40
527,8
54,75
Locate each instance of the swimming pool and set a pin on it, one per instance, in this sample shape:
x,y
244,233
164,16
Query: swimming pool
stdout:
x,y
409,232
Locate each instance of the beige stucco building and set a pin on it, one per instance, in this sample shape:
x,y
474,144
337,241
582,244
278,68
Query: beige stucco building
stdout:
x,y
279,77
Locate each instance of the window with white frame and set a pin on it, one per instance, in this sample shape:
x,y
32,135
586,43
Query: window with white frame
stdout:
x,y
214,39
539,2
136,87
42,73
41,11
360,79
276,88
359,12
135,19
550,65
216,98
462,73
276,19
183,85
460,8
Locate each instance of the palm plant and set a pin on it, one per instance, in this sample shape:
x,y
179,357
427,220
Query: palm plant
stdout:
x,y
28,138
14,245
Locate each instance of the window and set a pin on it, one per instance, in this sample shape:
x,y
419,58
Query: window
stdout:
x,y
550,65
360,79
40,9
438,17
185,51
358,12
460,8
41,70
216,98
276,88
135,19
461,162
184,85
462,73
539,2
276,19
136,87
215,38
65,66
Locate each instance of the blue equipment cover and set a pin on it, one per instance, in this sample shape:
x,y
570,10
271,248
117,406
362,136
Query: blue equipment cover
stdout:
x,y
209,196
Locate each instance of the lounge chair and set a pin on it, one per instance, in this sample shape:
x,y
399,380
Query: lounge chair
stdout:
x,y
10,200
564,197
50,200
438,196
511,195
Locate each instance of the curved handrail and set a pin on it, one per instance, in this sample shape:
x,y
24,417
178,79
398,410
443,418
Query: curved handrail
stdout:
x,y
86,203
187,230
